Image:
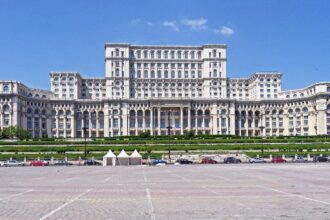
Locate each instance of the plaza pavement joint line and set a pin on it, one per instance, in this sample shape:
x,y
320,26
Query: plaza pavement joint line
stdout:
x,y
150,205
64,205
294,195
17,194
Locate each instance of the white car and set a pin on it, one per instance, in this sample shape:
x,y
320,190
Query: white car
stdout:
x,y
13,163
257,160
160,164
299,160
2,163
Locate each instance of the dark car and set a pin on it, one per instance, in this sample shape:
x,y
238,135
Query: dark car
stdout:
x,y
62,163
208,160
320,159
278,160
157,161
184,161
232,160
92,163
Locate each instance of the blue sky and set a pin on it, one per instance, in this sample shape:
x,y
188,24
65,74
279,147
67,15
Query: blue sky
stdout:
x,y
40,36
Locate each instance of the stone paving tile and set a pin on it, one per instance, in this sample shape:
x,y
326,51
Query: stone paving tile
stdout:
x,y
245,191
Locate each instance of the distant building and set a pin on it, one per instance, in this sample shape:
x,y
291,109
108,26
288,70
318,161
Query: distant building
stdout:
x,y
153,87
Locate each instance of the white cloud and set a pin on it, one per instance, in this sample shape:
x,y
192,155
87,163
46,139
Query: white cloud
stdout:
x,y
150,23
224,31
195,24
135,21
171,24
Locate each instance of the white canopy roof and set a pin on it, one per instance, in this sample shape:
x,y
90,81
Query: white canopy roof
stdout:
x,y
110,154
136,154
123,154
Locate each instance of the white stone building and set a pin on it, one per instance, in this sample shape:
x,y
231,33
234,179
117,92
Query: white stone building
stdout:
x,y
154,87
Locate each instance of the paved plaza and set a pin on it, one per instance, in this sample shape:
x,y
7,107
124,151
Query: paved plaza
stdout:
x,y
243,191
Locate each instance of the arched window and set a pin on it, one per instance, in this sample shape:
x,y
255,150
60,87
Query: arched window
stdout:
x,y
132,119
214,73
145,75
152,74
138,74
166,74
192,74
305,110
159,74
172,74
179,74
6,88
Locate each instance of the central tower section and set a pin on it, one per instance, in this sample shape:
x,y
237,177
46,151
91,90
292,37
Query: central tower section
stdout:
x,y
166,72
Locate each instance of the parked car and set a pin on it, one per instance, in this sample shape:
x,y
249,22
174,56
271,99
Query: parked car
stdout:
x,y
299,160
92,163
278,160
13,163
208,160
38,163
232,160
257,160
2,163
184,161
320,159
62,163
157,161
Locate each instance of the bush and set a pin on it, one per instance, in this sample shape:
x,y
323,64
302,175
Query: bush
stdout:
x,y
14,131
145,134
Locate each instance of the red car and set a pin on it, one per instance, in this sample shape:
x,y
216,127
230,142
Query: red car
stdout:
x,y
278,160
209,160
38,163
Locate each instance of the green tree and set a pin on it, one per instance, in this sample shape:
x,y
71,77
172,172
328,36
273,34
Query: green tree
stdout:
x,y
9,132
14,131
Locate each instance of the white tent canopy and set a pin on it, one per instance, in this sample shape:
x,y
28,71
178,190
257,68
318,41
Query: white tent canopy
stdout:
x,y
123,158
109,159
135,158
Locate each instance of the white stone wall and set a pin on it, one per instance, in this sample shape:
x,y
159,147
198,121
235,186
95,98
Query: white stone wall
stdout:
x,y
136,96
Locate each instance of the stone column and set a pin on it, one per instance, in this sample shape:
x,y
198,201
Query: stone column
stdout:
x,y
189,118
73,125
144,120
120,122
82,124
57,125
264,124
159,115
181,120
40,126
136,122
112,128
253,124
203,122
151,121
48,125
64,126
90,124
246,125
97,124
106,120
32,121
196,125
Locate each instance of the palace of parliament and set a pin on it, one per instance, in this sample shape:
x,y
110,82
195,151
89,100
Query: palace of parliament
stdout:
x,y
153,88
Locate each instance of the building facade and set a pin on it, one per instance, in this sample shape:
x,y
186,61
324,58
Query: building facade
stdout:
x,y
151,88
